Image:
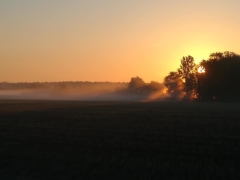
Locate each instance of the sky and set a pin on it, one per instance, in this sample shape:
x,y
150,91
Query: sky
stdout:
x,y
111,40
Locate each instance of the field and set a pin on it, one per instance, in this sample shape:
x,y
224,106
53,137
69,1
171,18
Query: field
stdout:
x,y
119,140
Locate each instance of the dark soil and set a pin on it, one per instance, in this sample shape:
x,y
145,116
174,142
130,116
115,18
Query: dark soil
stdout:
x,y
119,140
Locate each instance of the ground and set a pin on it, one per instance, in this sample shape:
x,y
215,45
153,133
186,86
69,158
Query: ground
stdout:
x,y
119,140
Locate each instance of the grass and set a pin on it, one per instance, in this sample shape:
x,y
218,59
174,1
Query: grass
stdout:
x,y
119,140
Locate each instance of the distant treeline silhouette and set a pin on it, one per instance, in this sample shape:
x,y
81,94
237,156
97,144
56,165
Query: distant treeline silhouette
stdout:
x,y
136,89
216,79
135,86
57,85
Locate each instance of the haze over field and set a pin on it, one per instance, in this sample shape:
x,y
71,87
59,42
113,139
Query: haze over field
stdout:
x,y
60,90
106,40
95,91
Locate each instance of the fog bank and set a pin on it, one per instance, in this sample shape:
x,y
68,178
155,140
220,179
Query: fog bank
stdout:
x,y
85,91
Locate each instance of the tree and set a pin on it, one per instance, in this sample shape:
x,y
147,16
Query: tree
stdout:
x,y
175,85
138,87
136,82
222,78
187,72
221,55
155,86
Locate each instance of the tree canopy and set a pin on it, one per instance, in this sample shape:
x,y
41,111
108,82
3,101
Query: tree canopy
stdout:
x,y
174,85
218,80
182,83
221,81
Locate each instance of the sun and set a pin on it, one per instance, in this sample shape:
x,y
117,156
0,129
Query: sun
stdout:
x,y
201,69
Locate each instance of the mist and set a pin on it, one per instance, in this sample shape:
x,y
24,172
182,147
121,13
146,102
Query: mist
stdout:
x,y
84,91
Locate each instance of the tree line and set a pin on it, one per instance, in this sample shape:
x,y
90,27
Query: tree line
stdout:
x,y
216,78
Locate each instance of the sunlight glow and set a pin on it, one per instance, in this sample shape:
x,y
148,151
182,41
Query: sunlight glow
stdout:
x,y
201,69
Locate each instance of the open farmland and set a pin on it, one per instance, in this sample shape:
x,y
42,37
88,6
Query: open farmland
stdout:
x,y
119,140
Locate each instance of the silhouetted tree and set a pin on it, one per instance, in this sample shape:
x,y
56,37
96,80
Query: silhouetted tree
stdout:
x,y
175,85
221,80
136,82
187,72
138,87
221,55
155,86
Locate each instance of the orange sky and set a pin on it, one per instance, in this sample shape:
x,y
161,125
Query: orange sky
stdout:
x,y
92,40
